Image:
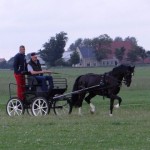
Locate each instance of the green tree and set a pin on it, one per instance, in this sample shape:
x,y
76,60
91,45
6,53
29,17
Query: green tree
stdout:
x,y
119,52
54,49
3,64
102,46
132,40
60,62
140,51
148,53
74,58
132,56
10,62
118,39
87,42
101,54
74,46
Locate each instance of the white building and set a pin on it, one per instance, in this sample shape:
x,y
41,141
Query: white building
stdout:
x,y
66,55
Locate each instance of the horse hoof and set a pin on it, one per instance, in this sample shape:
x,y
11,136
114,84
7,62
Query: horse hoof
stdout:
x,y
92,112
110,115
116,106
80,115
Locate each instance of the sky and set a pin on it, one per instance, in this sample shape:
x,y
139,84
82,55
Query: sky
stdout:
x,y
34,22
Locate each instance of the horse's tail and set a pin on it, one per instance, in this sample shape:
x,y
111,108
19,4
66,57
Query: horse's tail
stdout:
x,y
75,97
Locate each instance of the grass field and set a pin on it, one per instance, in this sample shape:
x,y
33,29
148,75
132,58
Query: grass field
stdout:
x,y
128,129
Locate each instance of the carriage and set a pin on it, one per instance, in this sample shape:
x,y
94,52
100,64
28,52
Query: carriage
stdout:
x,y
37,102
86,87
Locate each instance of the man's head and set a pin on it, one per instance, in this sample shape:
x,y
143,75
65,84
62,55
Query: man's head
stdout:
x,y
22,49
34,57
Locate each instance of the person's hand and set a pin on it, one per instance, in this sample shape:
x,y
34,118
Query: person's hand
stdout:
x,y
47,71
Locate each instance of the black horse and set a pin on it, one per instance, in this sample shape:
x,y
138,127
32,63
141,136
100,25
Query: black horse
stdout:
x,y
109,85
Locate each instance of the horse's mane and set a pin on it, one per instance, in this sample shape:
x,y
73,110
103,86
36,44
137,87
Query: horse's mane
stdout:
x,y
120,68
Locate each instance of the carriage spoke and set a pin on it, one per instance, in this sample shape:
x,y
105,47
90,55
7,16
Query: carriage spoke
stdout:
x,y
10,106
14,113
43,107
44,111
41,112
36,105
19,110
35,109
11,111
19,105
17,113
16,103
37,113
42,104
39,103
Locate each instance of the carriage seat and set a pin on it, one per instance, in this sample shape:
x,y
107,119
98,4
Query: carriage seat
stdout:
x,y
33,84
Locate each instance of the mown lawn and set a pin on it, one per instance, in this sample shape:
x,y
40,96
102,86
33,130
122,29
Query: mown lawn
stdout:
x,y
128,129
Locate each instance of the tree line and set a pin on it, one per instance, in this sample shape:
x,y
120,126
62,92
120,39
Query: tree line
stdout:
x,y
52,50
102,48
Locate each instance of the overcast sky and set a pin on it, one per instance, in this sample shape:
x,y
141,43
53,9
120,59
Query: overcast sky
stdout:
x,y
34,22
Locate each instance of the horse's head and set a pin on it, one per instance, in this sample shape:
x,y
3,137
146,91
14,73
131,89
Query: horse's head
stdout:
x,y
129,72
123,73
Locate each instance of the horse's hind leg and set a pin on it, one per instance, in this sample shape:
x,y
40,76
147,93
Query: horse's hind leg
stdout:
x,y
81,97
87,99
111,106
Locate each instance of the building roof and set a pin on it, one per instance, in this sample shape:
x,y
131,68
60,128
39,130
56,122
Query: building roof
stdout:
x,y
87,52
66,55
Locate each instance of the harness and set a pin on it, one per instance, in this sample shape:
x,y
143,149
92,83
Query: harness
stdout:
x,y
107,82
106,76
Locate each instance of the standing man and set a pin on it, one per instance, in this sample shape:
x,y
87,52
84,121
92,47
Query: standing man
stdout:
x,y
34,68
20,67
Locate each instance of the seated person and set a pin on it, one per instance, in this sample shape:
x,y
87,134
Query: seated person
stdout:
x,y
34,68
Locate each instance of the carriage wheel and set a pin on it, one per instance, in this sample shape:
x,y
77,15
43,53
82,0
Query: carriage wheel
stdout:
x,y
62,107
14,107
40,107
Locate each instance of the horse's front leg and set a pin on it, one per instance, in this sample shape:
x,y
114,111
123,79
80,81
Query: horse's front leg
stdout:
x,y
112,98
92,108
88,100
80,111
119,102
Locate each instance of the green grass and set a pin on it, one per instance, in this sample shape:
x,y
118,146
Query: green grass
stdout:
x,y
128,129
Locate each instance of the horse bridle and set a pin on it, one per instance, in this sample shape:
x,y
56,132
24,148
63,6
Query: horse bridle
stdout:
x,y
125,78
